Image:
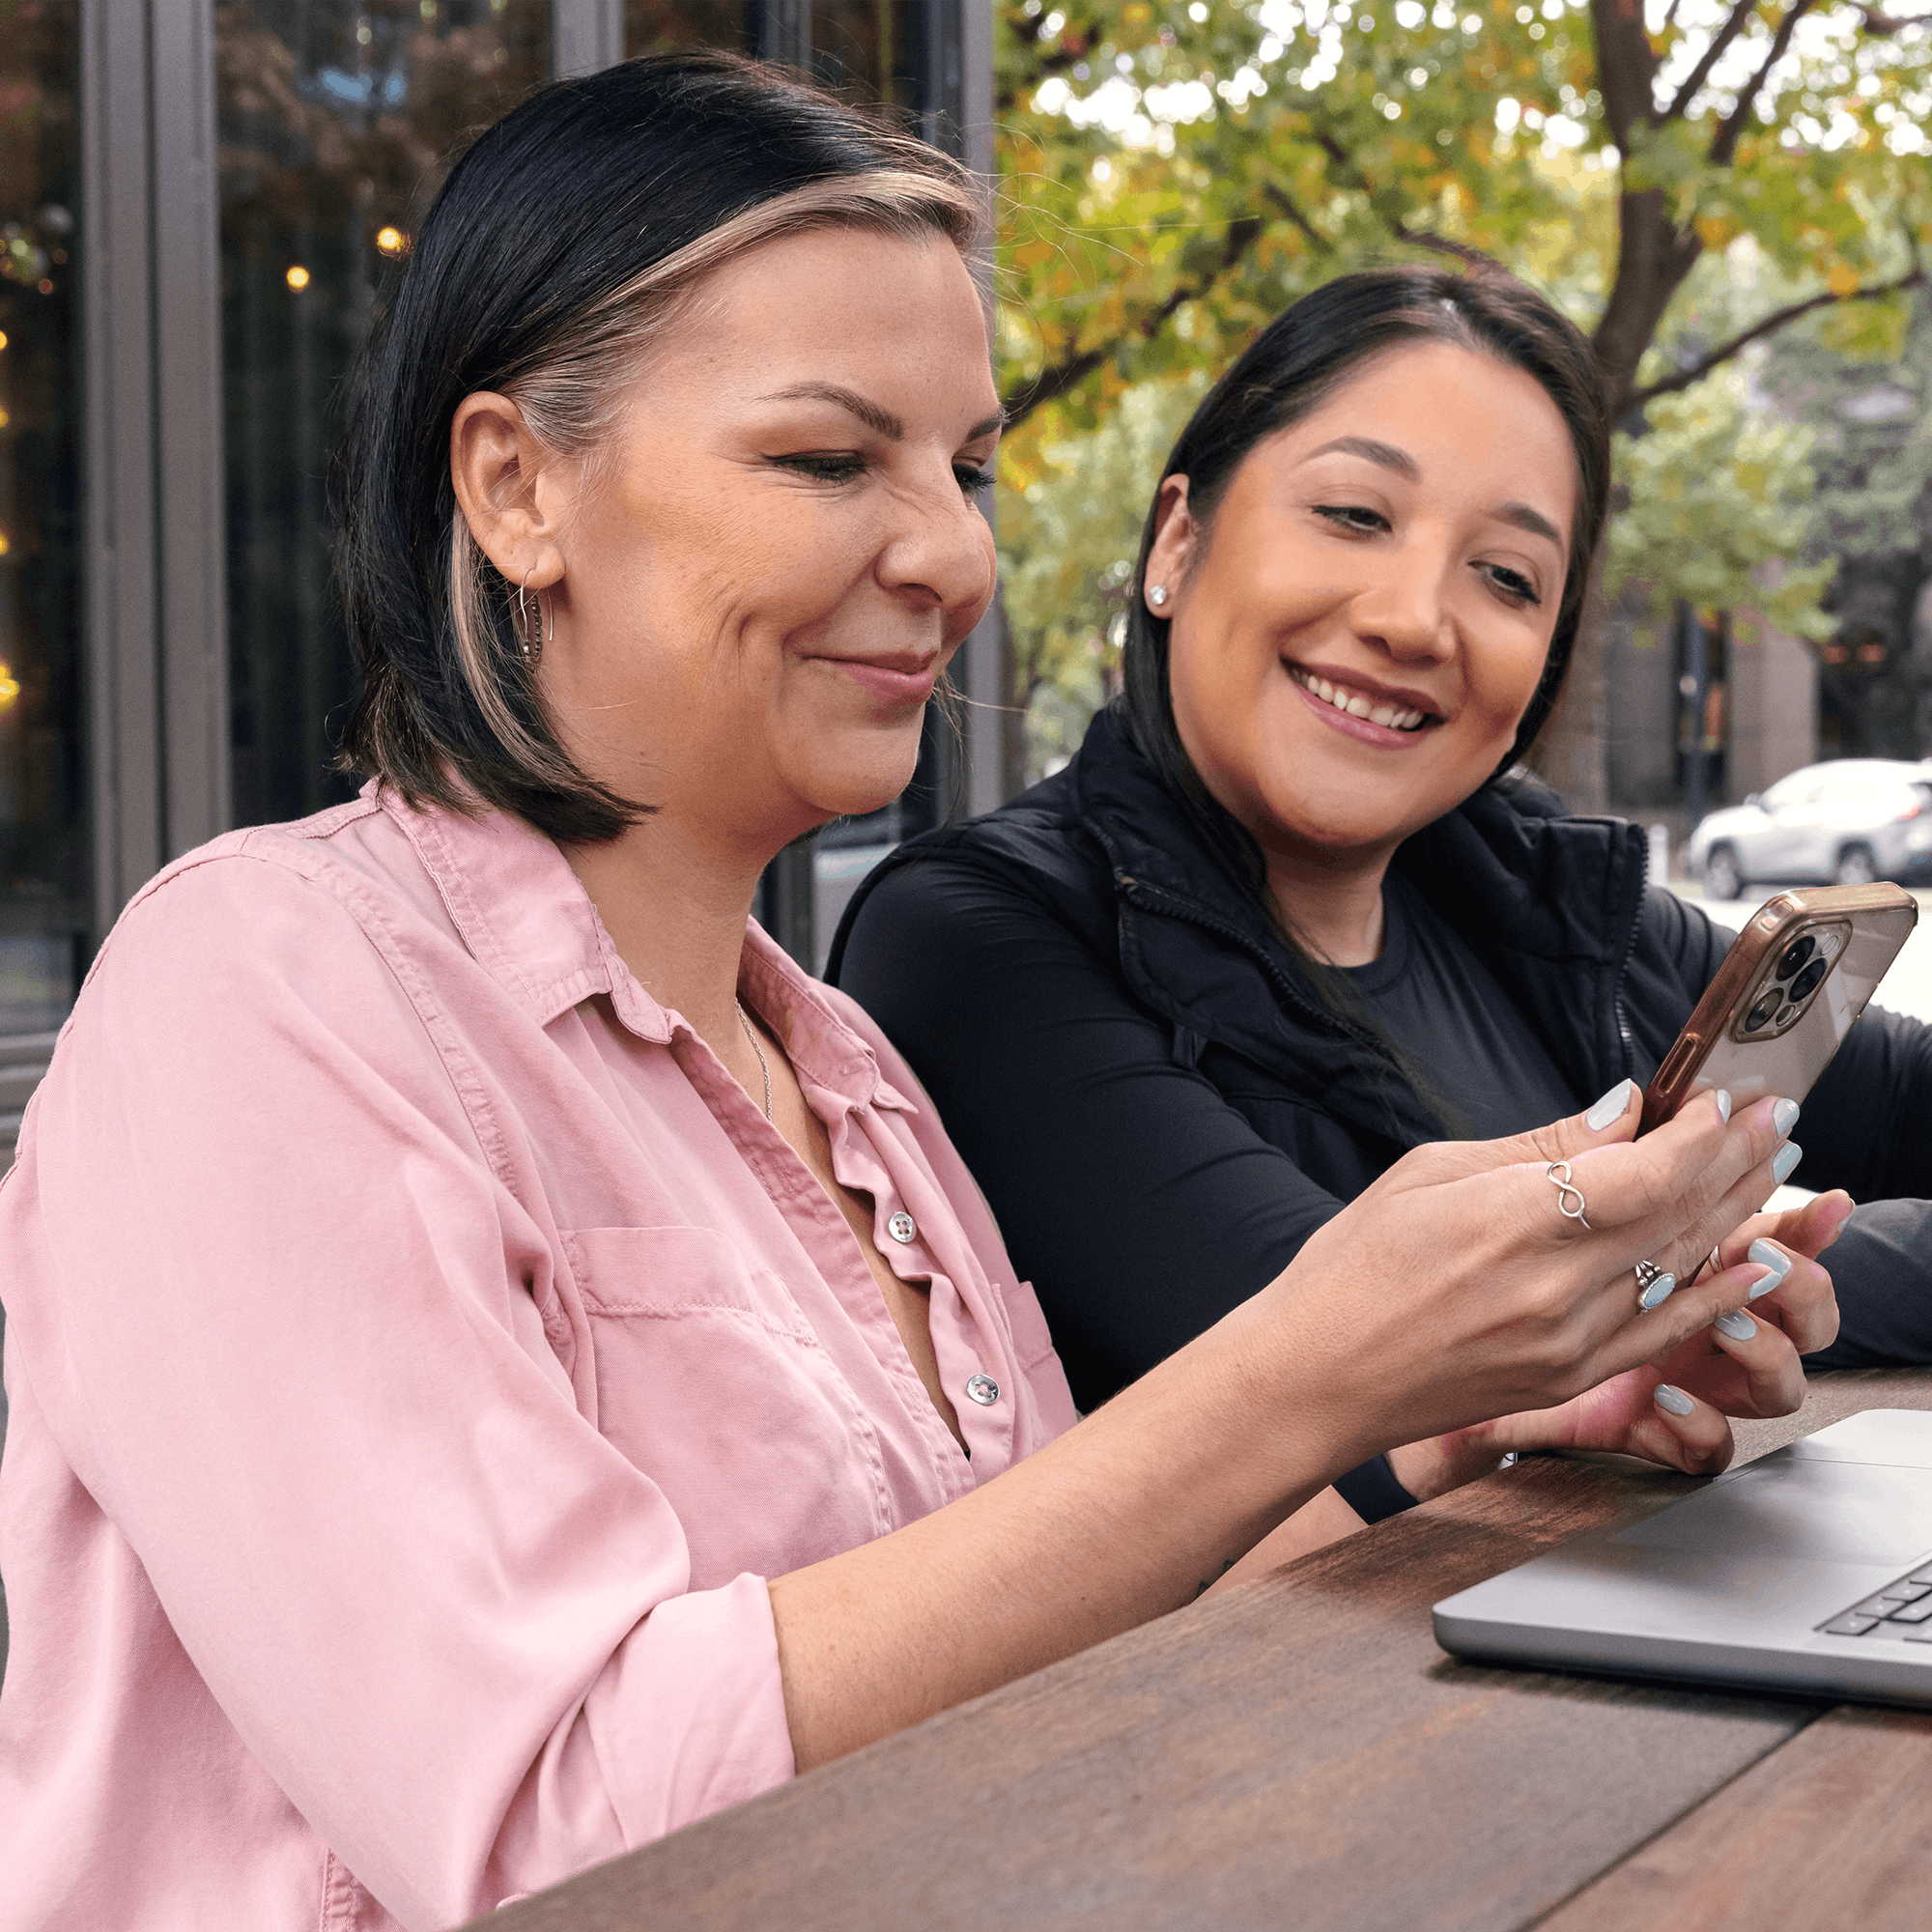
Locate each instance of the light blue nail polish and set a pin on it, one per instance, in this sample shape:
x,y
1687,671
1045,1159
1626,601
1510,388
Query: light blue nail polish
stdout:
x,y
1673,1400
1774,1258
1788,1156
1660,1290
1784,1115
1736,1324
1611,1107
1724,1104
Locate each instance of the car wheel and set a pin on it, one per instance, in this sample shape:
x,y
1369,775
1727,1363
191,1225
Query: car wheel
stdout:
x,y
1722,878
1855,866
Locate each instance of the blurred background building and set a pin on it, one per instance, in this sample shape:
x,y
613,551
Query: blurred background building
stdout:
x,y
199,206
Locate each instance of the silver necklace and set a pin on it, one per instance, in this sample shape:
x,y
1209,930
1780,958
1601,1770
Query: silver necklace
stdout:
x,y
764,1064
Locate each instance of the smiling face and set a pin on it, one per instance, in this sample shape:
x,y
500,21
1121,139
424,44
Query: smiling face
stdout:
x,y
755,583
1356,634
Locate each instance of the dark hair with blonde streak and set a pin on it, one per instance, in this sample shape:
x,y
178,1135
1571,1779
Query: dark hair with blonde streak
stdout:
x,y
563,246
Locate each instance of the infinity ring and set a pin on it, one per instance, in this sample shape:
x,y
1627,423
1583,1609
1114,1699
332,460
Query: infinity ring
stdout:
x,y
1653,1286
1570,1203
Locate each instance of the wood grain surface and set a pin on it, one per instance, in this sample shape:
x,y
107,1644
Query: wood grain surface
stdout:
x,y
1299,1753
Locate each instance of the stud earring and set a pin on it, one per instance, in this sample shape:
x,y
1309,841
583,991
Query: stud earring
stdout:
x,y
1156,594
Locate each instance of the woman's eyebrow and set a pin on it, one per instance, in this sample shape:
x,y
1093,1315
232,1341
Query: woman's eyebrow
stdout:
x,y
1532,520
1367,447
880,420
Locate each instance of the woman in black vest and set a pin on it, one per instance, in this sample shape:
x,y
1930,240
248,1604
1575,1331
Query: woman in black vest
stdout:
x,y
1292,909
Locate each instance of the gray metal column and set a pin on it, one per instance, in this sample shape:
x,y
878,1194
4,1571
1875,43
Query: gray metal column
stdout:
x,y
193,527
157,571
982,673
121,586
585,36
784,33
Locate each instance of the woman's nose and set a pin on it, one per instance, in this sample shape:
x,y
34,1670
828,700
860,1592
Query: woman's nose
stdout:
x,y
1405,610
941,553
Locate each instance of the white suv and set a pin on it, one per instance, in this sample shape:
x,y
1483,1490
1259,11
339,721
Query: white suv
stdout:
x,y
1845,823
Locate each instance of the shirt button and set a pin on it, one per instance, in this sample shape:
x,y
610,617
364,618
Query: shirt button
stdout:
x,y
902,1228
984,1390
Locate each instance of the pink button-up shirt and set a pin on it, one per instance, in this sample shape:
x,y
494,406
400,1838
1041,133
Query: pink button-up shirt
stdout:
x,y
420,1349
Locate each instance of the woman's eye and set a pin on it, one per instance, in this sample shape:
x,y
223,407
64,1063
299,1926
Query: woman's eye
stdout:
x,y
1513,584
827,466
1352,516
974,480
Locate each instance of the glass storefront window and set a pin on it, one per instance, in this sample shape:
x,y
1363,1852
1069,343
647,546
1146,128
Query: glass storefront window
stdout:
x,y
337,121
43,815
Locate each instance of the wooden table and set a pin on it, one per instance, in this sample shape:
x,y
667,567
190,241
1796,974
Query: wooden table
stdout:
x,y
1299,1753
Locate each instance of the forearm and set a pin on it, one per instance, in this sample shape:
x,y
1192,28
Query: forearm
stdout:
x,y
1129,1515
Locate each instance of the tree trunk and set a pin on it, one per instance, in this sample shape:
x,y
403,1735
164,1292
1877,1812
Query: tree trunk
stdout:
x,y
1654,255
1573,752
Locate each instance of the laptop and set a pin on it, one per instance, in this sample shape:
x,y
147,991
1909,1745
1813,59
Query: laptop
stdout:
x,y
1808,1570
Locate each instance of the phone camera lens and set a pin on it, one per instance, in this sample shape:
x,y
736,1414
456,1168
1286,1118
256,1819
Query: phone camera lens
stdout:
x,y
1796,955
1760,1014
1806,982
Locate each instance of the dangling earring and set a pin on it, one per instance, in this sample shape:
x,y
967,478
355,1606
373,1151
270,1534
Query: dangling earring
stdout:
x,y
530,624
1156,594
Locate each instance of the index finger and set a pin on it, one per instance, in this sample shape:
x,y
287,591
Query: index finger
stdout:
x,y
1659,1186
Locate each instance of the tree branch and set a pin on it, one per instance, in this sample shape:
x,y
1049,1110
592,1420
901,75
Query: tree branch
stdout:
x,y
1399,229
1726,145
1285,203
1057,377
1741,16
1914,277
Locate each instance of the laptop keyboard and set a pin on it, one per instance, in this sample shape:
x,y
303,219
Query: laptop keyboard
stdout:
x,y
1902,1609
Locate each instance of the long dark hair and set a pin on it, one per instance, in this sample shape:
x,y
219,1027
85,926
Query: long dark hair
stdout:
x,y
1285,374
565,241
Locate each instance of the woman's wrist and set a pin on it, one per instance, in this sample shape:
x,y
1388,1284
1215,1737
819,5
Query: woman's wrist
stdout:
x,y
1443,1463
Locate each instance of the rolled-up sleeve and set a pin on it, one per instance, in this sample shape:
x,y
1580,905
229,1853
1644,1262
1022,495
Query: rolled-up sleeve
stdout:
x,y
280,1309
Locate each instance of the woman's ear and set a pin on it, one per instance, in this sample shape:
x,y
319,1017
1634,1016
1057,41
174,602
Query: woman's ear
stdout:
x,y
510,498
1172,546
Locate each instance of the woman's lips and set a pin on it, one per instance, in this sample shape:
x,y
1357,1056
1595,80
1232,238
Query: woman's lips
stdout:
x,y
1382,736
892,685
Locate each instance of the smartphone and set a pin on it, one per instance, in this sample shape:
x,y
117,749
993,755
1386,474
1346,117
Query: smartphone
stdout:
x,y
1791,986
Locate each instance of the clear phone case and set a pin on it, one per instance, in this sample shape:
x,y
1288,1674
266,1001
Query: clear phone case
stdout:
x,y
1795,980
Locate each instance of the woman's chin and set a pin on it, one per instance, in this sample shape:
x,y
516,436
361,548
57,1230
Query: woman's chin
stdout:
x,y
851,788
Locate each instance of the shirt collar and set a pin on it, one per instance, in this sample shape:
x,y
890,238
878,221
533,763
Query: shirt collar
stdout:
x,y
526,919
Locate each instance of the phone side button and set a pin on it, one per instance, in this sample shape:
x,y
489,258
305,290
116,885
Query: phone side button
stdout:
x,y
1675,1062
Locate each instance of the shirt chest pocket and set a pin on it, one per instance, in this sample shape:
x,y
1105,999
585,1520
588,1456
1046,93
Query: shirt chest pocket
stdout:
x,y
711,1382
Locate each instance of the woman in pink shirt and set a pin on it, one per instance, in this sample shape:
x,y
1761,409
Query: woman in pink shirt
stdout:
x,y
501,1364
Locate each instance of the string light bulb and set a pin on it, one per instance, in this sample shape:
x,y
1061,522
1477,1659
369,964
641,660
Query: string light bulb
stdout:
x,y
297,278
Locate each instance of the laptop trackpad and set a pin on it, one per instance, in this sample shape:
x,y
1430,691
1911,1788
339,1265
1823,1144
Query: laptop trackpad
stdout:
x,y
1831,1512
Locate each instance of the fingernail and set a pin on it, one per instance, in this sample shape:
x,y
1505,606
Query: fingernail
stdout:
x,y
1660,1290
1611,1107
1775,1261
1788,1155
1784,1115
1736,1324
1673,1400
1724,1104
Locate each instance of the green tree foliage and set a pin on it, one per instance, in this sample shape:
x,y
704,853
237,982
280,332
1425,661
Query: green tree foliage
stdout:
x,y
1719,505
1173,174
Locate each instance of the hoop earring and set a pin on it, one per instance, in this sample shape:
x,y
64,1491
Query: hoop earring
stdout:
x,y
530,625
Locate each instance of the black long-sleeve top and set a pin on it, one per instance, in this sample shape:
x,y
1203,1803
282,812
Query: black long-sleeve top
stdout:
x,y
1161,1109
